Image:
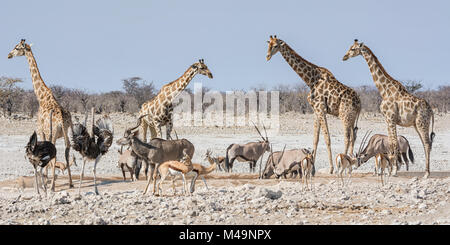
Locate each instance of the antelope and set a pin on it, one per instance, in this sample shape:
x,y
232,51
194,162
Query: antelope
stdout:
x,y
381,162
219,161
307,166
128,159
288,162
175,168
379,143
155,152
249,152
200,170
344,161
62,165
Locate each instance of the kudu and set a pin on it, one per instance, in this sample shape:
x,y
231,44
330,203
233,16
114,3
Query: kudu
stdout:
x,y
379,143
156,151
249,152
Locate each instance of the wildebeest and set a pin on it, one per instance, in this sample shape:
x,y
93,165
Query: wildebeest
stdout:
x,y
249,152
379,143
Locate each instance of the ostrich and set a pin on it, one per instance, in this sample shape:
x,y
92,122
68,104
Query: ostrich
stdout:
x,y
40,153
86,144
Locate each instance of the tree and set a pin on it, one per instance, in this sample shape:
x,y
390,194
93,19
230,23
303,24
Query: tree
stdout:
x,y
412,86
9,94
139,89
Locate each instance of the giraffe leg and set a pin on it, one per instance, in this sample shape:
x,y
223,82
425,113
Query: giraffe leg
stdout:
x,y
144,127
169,127
66,155
53,165
425,138
316,136
159,127
53,175
326,135
347,139
393,146
153,133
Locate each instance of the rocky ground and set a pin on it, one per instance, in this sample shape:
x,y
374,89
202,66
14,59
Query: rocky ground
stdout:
x,y
241,199
238,198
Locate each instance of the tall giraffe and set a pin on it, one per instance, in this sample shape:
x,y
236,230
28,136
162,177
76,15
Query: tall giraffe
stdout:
x,y
398,106
160,107
61,118
327,96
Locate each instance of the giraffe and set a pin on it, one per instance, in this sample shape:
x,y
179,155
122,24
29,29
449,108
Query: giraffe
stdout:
x,y
398,106
327,96
61,118
160,107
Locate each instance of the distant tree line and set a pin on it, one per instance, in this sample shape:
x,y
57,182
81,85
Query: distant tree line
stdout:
x,y
136,91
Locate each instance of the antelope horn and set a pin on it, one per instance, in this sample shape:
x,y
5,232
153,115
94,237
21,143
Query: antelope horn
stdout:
x,y
364,140
267,138
282,153
271,153
138,123
258,131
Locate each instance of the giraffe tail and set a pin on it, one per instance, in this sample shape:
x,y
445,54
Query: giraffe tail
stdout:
x,y
432,135
355,129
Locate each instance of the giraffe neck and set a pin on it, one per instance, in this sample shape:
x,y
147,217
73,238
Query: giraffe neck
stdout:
x,y
43,93
180,84
304,68
385,84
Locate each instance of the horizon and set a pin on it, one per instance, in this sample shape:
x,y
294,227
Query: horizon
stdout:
x,y
94,48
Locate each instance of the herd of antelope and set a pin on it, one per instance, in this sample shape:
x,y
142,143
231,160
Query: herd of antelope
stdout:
x,y
173,157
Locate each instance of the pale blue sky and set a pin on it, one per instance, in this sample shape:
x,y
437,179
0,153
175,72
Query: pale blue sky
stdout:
x,y
92,45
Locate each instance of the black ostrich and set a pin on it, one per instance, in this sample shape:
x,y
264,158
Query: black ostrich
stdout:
x,y
94,144
40,153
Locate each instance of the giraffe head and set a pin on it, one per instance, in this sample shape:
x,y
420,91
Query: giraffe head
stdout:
x,y
355,50
19,49
274,46
202,68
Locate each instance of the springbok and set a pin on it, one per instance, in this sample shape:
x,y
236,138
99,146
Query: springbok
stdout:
x,y
175,168
344,161
381,162
307,166
200,170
